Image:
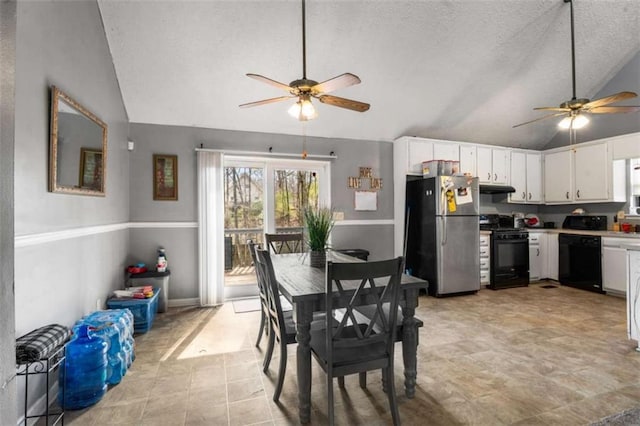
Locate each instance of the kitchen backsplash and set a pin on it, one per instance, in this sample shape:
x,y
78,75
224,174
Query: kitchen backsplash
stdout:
x,y
497,204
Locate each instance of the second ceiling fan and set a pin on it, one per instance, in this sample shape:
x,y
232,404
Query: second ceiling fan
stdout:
x,y
304,89
574,109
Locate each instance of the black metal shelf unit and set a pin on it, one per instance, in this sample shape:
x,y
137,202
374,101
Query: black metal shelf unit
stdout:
x,y
46,366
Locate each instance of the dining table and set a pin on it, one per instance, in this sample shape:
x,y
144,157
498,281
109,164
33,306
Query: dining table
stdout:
x,y
304,287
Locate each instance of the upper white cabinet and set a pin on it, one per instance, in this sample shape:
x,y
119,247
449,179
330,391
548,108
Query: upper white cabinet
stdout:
x,y
446,151
558,177
419,150
526,177
468,160
493,165
582,174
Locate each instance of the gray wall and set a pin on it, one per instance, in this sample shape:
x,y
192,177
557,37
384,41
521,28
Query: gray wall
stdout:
x,y
181,243
608,125
8,399
63,43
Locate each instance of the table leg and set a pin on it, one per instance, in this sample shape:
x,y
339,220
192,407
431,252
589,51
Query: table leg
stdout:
x,y
410,342
302,316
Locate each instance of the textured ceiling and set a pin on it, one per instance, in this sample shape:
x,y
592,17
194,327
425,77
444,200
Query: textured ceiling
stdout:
x,y
463,70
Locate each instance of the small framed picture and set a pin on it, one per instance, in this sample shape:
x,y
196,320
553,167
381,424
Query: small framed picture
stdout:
x,y
90,169
165,177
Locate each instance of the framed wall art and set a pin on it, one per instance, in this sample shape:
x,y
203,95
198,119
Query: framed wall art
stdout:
x,y
90,169
366,200
165,177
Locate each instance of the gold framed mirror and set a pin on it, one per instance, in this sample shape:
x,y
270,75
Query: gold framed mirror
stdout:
x,y
78,148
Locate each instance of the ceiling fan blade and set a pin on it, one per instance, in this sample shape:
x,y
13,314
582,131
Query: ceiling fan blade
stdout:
x,y
270,81
613,109
553,109
541,118
609,100
266,101
345,80
343,103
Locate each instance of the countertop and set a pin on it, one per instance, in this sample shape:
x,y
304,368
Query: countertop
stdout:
x,y
614,234
630,246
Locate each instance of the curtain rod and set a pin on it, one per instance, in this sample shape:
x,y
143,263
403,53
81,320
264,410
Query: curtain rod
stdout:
x,y
267,154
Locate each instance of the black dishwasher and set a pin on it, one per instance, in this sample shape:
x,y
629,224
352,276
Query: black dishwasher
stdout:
x,y
579,262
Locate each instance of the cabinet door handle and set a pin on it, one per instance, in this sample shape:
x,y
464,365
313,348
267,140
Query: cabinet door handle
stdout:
x,y
489,176
495,177
578,193
524,197
529,195
567,195
537,252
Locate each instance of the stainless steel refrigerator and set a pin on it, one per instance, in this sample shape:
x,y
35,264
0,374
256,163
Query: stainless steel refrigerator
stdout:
x,y
443,236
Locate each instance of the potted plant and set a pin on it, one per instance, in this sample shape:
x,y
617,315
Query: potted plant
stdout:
x,y
318,225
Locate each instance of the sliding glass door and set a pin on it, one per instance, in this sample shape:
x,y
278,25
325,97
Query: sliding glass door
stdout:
x,y
265,196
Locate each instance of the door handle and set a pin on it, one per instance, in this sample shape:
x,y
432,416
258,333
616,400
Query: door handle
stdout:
x,y
537,252
489,176
567,195
529,195
578,193
495,177
524,197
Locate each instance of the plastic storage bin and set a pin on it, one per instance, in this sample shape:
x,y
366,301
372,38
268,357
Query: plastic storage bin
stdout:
x,y
155,279
85,373
143,310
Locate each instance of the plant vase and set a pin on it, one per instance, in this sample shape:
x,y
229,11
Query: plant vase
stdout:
x,y
318,259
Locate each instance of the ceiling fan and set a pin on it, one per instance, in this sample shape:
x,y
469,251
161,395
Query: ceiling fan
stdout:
x,y
304,89
575,109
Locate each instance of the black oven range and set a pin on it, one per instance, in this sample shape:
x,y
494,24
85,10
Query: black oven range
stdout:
x,y
509,256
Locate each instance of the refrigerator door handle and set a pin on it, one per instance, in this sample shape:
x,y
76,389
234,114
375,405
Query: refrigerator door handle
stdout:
x,y
444,230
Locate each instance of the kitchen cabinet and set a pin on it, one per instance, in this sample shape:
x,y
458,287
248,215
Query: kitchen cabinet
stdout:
x,y
418,151
526,177
553,255
446,151
485,264
614,266
584,173
558,181
468,159
537,256
492,165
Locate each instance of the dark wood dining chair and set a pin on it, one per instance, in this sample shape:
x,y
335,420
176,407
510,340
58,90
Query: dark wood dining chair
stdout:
x,y
264,304
291,242
281,325
358,344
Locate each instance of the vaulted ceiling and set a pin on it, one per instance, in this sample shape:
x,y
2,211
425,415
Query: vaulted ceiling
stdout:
x,y
463,70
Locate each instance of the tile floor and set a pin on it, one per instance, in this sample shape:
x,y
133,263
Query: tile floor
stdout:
x,y
523,356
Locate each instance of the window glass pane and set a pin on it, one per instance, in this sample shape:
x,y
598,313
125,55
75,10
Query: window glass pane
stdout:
x,y
294,190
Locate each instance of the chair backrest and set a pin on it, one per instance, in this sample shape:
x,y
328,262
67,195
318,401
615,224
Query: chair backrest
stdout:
x,y
265,269
366,283
284,243
261,284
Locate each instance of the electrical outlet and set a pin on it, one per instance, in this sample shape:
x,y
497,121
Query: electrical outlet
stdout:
x,y
338,215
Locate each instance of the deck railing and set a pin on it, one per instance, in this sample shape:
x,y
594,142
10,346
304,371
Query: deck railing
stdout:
x,y
236,248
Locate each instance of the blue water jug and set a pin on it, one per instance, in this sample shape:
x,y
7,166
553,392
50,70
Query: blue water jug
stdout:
x,y
83,379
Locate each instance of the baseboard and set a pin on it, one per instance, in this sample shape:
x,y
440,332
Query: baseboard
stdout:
x,y
178,303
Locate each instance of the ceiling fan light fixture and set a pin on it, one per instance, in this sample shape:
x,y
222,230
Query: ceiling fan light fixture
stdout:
x,y
303,110
573,122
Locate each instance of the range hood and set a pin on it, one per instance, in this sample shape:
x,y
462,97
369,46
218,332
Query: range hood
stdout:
x,y
496,189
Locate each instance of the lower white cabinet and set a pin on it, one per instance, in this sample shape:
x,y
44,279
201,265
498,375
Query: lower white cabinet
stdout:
x,y
485,260
537,256
614,266
553,254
